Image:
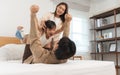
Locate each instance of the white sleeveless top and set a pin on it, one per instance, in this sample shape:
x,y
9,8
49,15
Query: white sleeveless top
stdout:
x,y
58,22
44,40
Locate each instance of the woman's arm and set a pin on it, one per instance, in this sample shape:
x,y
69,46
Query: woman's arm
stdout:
x,y
59,30
66,28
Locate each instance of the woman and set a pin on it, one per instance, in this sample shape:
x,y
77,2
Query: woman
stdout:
x,y
61,17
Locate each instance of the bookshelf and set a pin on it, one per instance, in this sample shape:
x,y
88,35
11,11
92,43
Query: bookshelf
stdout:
x,y
105,27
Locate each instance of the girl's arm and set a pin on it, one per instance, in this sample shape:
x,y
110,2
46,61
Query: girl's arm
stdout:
x,y
42,21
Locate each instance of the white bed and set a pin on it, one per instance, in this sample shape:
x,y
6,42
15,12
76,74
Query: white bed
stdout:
x,y
72,67
11,65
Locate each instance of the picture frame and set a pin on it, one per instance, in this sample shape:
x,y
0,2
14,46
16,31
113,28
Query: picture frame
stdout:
x,y
112,47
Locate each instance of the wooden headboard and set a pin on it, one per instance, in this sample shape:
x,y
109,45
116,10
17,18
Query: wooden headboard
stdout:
x,y
8,40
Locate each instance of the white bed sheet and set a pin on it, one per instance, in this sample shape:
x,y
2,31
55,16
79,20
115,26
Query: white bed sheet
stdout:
x,y
72,67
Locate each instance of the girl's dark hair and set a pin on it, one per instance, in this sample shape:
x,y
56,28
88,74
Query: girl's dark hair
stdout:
x,y
66,49
62,17
50,24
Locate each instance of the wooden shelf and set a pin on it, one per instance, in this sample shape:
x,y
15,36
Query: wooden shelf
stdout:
x,y
117,66
105,53
106,14
105,40
109,39
107,26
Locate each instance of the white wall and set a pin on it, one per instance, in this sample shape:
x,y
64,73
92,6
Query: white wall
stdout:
x,y
16,12
82,5
83,15
99,6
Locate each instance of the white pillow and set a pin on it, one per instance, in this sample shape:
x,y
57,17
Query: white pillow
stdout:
x,y
11,52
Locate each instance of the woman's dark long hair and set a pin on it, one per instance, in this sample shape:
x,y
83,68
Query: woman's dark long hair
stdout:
x,y
66,49
62,17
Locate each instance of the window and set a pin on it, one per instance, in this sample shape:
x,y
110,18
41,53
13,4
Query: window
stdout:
x,y
79,33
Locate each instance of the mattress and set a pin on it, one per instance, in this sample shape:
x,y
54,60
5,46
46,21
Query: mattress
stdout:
x,y
72,67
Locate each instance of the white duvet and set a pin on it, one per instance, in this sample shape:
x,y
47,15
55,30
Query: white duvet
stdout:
x,y
11,52
72,67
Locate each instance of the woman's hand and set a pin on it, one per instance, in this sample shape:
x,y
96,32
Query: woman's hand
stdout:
x,y
68,17
34,8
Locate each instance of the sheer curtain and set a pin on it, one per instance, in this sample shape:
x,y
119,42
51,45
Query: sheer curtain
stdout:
x,y
79,33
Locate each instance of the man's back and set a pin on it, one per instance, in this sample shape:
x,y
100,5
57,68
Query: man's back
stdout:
x,y
47,57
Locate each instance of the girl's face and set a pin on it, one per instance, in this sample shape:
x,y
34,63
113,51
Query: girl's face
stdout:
x,y
50,32
60,10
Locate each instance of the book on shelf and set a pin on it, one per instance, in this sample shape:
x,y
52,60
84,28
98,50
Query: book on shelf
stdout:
x,y
101,22
99,47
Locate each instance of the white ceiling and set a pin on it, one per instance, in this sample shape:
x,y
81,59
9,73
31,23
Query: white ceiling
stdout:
x,y
83,5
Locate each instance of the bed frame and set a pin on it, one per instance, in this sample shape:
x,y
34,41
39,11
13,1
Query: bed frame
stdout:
x,y
8,40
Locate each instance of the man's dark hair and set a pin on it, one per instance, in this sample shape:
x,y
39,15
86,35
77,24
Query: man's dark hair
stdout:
x,y
66,49
50,24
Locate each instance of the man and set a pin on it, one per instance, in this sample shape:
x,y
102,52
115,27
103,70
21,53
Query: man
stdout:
x,y
60,52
